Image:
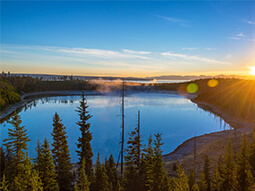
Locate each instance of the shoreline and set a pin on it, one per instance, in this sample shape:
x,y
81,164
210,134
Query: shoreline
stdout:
x,y
27,98
181,152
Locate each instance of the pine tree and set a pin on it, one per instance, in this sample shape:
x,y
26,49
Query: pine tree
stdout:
x,y
252,150
202,182
2,162
61,156
206,171
111,172
84,145
16,145
195,187
46,168
216,182
244,174
192,178
31,178
229,170
4,184
131,175
101,178
147,166
158,171
83,180
181,183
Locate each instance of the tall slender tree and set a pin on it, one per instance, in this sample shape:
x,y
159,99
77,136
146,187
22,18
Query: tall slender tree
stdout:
x,y
82,179
16,145
2,162
244,174
101,179
61,155
112,174
131,175
158,170
84,142
229,174
46,168
206,171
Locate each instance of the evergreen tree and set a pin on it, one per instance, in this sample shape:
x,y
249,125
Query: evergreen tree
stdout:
x,y
181,183
216,182
111,172
147,166
84,145
195,187
244,174
31,178
83,180
16,145
206,171
101,178
192,178
131,175
158,171
2,162
46,167
202,182
61,156
229,175
252,150
4,184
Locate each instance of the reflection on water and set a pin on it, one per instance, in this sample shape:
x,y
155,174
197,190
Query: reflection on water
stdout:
x,y
175,117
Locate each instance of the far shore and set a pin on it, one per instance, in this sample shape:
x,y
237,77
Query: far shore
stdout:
x,y
26,98
183,152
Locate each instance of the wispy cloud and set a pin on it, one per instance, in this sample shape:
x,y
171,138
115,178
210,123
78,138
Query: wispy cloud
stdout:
x,y
189,48
196,48
209,49
237,36
134,52
181,22
194,58
85,52
250,22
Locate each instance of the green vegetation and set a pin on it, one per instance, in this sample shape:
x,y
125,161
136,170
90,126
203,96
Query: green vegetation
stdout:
x,y
7,94
233,96
144,169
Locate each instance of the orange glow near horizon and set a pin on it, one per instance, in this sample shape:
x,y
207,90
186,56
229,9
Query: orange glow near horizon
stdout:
x,y
253,71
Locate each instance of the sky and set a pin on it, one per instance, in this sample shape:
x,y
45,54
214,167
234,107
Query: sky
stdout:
x,y
128,38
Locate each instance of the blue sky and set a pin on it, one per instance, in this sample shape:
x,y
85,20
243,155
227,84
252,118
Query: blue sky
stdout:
x,y
128,38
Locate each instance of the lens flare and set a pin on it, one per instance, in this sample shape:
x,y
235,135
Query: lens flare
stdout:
x,y
212,83
253,71
192,88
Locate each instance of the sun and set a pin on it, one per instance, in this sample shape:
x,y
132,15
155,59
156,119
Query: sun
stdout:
x,y
253,71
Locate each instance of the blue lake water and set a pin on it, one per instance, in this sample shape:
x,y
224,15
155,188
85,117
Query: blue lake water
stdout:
x,y
176,117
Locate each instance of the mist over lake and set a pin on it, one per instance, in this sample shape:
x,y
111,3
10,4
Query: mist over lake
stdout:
x,y
176,117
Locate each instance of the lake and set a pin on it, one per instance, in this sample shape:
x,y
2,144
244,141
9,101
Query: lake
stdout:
x,y
176,117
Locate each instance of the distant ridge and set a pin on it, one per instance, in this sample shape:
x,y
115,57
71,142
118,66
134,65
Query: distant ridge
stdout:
x,y
164,77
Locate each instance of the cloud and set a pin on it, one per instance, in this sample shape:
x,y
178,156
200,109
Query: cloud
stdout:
x,y
209,49
188,48
181,22
194,58
250,22
229,56
85,52
237,36
134,52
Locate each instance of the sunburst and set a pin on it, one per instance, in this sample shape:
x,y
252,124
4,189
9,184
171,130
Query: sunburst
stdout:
x,y
252,70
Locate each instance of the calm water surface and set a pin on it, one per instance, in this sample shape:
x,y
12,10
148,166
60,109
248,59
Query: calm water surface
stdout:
x,y
176,117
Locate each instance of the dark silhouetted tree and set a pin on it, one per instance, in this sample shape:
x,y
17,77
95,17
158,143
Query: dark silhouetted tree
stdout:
x,y
46,168
61,156
84,145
